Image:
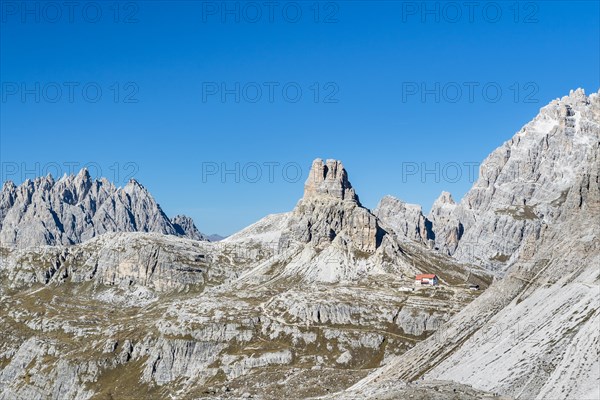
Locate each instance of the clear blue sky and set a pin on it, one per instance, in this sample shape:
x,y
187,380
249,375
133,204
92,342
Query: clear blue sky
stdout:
x,y
370,62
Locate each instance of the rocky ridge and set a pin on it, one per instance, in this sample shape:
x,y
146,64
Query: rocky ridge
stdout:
x,y
185,227
406,220
523,184
77,208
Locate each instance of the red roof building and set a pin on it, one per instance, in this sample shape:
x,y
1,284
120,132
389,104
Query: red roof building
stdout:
x,y
426,279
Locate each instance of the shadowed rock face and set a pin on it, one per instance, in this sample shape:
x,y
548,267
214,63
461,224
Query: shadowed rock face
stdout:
x,y
330,208
185,227
448,230
77,208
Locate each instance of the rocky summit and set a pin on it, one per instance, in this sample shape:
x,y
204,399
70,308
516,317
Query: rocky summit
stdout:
x,y
406,220
329,179
533,181
495,295
330,208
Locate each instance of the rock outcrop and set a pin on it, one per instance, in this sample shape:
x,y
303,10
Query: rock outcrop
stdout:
x,y
448,230
406,220
77,208
185,227
158,262
331,208
329,179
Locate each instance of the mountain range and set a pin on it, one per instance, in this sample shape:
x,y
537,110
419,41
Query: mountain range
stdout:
x,y
76,208
103,296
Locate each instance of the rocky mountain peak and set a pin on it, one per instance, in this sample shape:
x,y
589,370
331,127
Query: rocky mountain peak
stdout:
x,y
577,97
406,220
330,208
329,179
77,208
84,174
8,185
184,226
525,184
133,185
442,206
445,198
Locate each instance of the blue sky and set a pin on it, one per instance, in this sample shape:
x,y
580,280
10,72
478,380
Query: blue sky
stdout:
x,y
409,96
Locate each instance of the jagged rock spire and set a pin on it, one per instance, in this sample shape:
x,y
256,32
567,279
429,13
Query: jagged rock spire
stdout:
x,y
329,179
330,208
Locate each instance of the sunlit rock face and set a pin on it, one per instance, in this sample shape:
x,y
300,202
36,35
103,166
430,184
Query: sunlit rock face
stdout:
x,y
76,208
533,217
406,220
329,179
524,185
330,208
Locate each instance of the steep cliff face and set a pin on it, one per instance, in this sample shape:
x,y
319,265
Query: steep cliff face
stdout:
x,y
533,334
158,262
329,179
448,230
77,208
334,236
523,184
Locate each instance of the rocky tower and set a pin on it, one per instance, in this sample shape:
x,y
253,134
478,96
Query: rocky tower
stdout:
x,y
330,208
329,179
